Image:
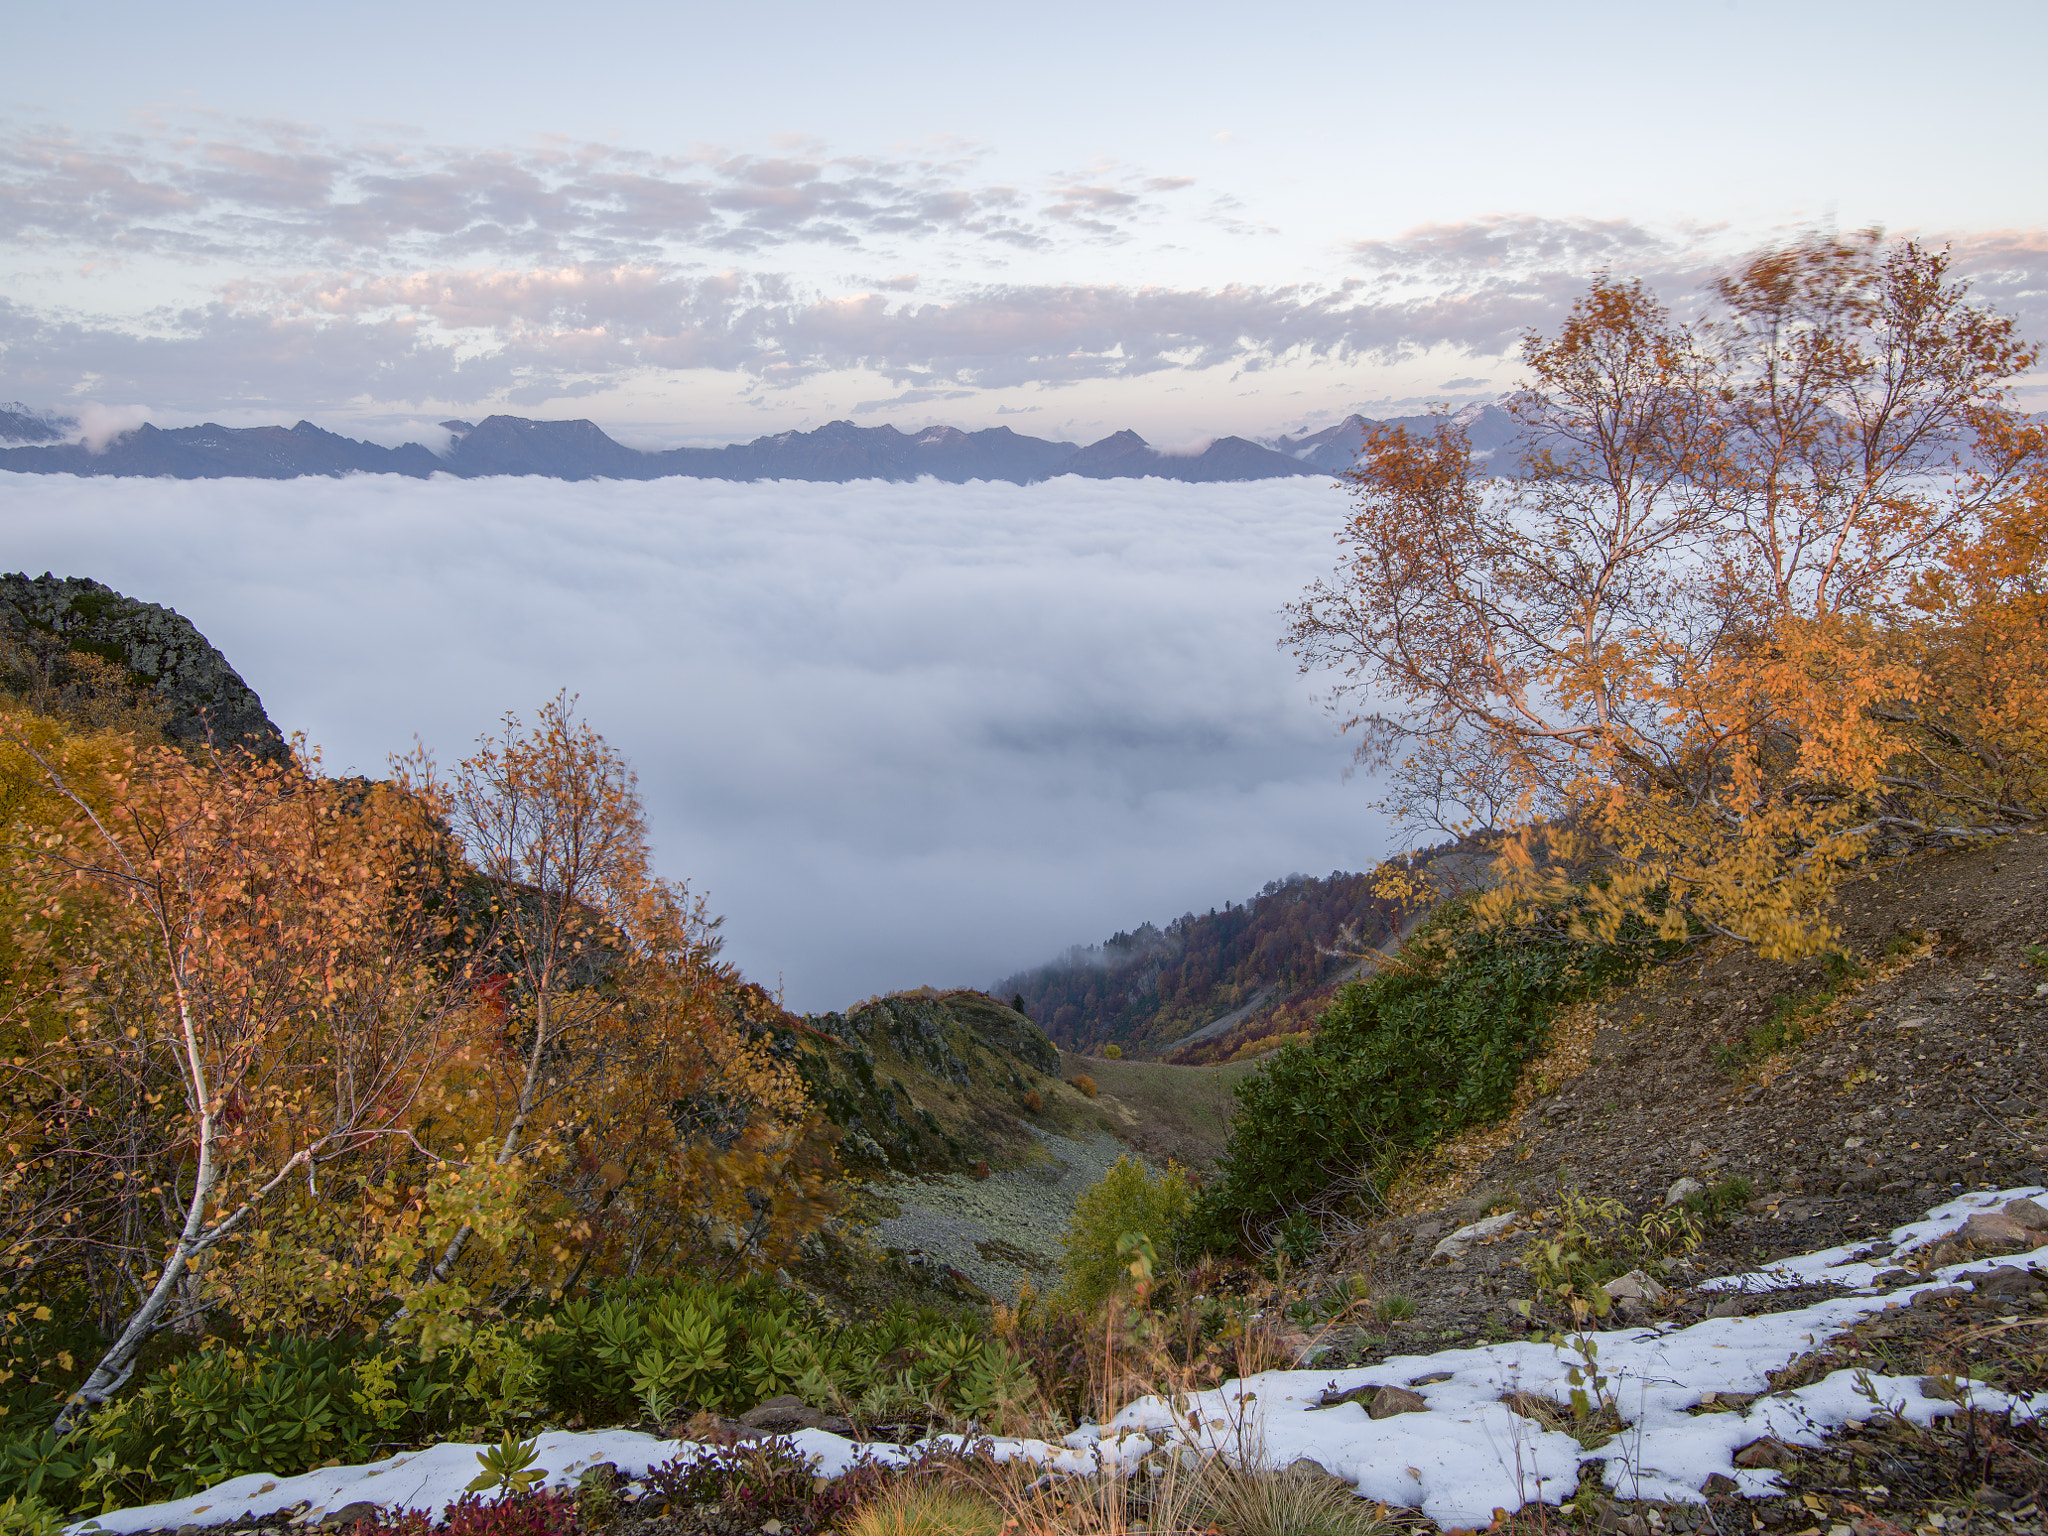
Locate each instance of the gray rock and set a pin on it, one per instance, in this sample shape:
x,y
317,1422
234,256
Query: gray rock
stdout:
x,y
204,696
1733,1306
1635,1286
351,1515
782,1413
1683,1190
2005,1281
1994,1229
2030,1214
1459,1243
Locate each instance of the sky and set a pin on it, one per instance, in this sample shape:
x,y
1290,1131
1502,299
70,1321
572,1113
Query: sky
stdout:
x,y
897,735
696,223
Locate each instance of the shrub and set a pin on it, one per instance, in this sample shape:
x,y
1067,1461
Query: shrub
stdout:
x,y
535,1513
1084,1082
1595,1241
1113,1052
1412,1055
757,1480
282,1407
1034,1101
1128,1200
29,1516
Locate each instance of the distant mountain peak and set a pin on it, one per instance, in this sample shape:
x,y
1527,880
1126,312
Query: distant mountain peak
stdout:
x,y
581,450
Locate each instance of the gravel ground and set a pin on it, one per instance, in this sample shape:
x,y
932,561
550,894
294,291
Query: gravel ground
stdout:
x,y
1003,1230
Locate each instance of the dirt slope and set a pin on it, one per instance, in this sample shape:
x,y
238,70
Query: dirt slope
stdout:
x,y
1925,1077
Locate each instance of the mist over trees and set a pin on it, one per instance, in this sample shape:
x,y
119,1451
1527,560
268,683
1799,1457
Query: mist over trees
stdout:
x,y
1148,987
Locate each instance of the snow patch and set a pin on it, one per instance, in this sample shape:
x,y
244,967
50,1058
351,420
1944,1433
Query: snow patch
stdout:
x,y
1466,1456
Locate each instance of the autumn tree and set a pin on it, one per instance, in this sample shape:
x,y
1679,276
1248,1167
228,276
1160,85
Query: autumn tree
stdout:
x,y
256,989
628,1081
1708,636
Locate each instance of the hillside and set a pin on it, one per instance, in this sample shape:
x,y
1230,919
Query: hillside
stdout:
x,y
1222,984
1848,1102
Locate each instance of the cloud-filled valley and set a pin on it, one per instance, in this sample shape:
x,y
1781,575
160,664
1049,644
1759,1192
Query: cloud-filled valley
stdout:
x,y
898,733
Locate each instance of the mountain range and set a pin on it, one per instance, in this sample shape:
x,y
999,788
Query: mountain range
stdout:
x,y
40,442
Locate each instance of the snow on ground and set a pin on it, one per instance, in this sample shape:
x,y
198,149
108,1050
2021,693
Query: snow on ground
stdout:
x,y
1458,1462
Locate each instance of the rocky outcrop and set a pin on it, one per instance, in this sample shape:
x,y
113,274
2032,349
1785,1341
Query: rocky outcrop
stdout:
x,y
204,697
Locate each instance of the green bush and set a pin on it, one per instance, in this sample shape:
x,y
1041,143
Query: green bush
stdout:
x,y
1414,1054
1128,1200
643,1352
29,1516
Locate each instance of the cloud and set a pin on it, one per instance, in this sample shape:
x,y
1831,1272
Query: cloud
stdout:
x,y
264,193
1519,244
899,734
467,335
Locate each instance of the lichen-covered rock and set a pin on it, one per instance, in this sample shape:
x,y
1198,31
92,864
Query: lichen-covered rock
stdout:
x,y
203,695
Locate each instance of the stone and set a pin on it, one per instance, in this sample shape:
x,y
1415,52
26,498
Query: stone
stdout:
x,y
1308,1466
1993,1229
2030,1214
1683,1190
1763,1453
1938,1295
1389,1401
1460,1242
351,1515
1635,1286
1719,1485
782,1413
1431,1379
2005,1281
1732,1306
200,693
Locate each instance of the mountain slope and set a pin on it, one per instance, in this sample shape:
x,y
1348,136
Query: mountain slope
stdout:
x,y
1149,989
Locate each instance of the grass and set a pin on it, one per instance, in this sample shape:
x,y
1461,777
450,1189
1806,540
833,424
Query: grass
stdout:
x,y
1185,1110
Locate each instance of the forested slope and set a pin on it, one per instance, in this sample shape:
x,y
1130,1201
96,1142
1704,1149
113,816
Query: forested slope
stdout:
x,y
1147,989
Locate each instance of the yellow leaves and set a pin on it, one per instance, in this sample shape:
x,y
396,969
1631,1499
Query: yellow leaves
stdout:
x,y
1737,620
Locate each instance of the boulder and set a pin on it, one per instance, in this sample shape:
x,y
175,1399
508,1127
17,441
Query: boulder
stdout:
x,y
1763,1453
1994,1229
785,1413
1683,1190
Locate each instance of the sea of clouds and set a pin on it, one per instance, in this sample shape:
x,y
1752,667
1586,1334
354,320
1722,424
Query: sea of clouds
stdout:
x,y
897,733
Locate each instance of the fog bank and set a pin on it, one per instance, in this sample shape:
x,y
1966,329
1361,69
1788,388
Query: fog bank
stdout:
x,y
897,733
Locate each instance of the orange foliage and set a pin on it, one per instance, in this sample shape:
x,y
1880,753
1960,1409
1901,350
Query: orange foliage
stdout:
x,y
1718,635
265,962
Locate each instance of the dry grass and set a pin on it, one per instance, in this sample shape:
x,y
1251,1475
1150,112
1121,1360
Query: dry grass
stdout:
x,y
1177,1491
927,1509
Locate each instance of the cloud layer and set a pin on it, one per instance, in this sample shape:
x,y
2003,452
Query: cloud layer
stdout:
x,y
291,271
899,733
